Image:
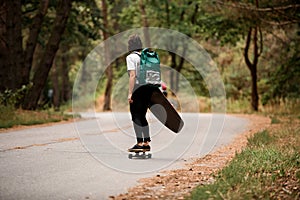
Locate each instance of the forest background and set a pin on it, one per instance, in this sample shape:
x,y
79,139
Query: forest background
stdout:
x,y
255,44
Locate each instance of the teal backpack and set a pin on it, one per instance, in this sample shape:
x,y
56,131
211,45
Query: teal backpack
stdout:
x,y
149,72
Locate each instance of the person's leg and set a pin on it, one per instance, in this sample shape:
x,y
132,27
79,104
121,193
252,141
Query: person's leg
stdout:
x,y
146,136
147,97
138,132
138,109
140,125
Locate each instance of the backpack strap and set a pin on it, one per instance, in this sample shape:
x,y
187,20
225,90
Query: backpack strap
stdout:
x,y
137,53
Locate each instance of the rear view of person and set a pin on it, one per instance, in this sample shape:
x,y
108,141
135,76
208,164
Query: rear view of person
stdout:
x,y
139,96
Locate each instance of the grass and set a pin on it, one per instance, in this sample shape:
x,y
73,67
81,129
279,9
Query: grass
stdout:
x,y
268,168
10,117
242,105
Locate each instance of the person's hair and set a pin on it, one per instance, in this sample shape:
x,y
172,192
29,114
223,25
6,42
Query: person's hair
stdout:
x,y
134,43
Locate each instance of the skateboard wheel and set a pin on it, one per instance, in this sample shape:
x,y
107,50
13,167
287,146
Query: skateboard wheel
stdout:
x,y
130,156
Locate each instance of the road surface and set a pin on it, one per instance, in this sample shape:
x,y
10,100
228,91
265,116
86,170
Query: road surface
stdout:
x,y
87,159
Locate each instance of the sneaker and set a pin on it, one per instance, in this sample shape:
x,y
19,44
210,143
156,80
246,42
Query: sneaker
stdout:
x,y
136,148
146,147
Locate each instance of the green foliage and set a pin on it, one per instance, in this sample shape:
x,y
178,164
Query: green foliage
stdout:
x,y
227,22
6,116
285,81
275,120
11,116
10,98
240,105
83,24
196,80
260,139
176,15
247,176
220,26
222,23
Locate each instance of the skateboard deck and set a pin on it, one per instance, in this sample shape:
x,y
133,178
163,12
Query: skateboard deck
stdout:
x,y
165,112
139,155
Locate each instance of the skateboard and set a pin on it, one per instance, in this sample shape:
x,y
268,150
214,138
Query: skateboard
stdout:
x,y
165,112
142,154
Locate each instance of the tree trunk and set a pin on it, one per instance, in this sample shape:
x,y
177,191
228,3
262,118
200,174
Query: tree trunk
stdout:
x,y
32,40
55,100
180,66
108,89
65,83
43,68
109,69
175,80
254,92
252,66
4,54
145,25
11,54
172,75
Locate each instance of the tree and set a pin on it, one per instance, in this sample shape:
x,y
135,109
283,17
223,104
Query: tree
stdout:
x,y
81,32
111,25
145,23
175,15
228,21
282,82
16,63
11,55
252,66
34,23
257,50
43,68
179,10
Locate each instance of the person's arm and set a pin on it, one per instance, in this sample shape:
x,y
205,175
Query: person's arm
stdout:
x,y
131,84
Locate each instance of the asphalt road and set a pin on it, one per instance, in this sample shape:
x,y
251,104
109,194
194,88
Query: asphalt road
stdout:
x,y
87,159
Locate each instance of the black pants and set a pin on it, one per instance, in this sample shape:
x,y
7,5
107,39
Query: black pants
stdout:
x,y
138,108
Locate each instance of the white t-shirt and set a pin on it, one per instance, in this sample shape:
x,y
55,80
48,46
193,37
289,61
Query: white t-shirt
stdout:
x,y
133,62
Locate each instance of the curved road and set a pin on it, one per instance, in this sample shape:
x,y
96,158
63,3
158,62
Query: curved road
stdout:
x,y
87,159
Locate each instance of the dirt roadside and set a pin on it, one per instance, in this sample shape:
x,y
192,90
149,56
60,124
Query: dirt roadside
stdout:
x,y
177,184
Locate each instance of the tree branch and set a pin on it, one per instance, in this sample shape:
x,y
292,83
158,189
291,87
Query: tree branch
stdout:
x,y
246,50
252,8
256,54
260,41
280,23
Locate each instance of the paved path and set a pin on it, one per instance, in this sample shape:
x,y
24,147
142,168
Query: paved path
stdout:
x,y
87,159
